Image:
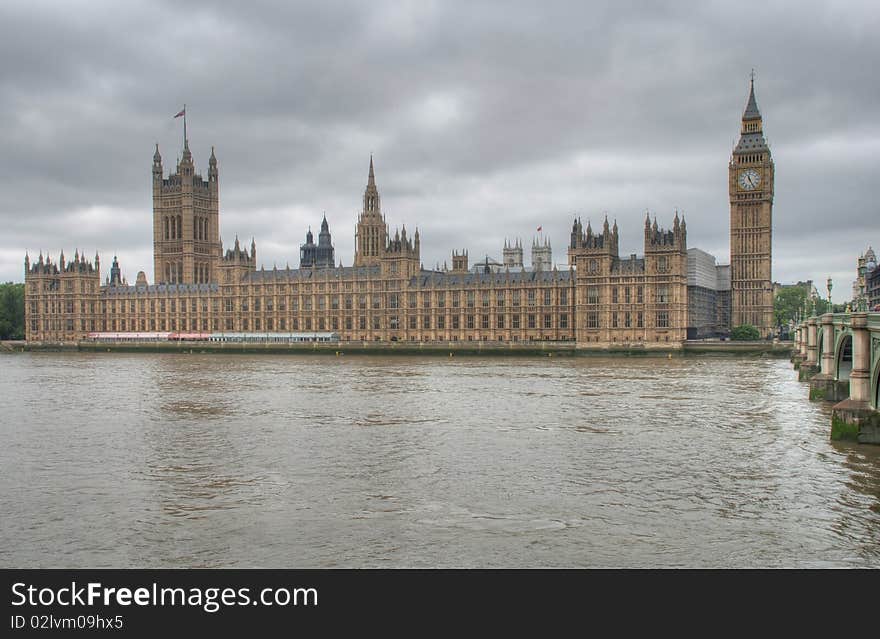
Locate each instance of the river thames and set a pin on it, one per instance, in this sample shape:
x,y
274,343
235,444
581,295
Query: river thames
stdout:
x,y
173,460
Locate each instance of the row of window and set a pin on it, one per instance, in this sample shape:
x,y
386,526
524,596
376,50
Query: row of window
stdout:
x,y
661,295
321,302
661,265
625,320
85,286
532,321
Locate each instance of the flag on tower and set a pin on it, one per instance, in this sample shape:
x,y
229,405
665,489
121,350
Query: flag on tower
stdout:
x,y
539,229
182,112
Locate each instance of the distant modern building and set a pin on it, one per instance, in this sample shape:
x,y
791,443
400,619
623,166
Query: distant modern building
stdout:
x,y
706,292
723,294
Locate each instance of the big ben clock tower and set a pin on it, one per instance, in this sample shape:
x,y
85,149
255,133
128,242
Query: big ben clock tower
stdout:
x,y
750,182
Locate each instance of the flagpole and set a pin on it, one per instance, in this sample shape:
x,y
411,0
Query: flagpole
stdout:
x,y
184,125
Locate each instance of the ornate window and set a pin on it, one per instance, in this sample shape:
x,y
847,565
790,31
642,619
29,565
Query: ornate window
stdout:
x,y
662,264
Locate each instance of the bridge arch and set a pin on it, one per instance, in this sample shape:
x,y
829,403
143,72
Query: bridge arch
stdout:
x,y
843,357
875,380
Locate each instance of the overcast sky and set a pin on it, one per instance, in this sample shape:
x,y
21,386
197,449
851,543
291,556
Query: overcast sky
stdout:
x,y
486,120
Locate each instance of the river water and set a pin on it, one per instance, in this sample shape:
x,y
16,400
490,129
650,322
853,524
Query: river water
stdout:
x,y
171,460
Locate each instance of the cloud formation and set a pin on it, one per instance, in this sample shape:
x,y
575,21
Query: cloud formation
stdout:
x,y
486,121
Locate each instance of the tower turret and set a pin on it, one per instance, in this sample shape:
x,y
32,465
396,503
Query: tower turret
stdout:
x,y
157,168
542,255
512,254
460,261
115,277
186,222
212,167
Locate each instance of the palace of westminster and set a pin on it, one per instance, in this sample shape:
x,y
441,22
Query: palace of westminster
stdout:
x,y
599,300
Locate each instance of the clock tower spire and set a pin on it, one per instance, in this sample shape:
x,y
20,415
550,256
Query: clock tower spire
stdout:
x,y
750,185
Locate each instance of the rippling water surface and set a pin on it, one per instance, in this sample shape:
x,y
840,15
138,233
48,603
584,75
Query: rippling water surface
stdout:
x,y
273,461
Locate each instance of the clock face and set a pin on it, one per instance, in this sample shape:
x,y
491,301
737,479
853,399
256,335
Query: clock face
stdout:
x,y
749,179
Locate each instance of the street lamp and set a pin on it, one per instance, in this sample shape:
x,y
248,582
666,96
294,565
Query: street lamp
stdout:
x,y
830,305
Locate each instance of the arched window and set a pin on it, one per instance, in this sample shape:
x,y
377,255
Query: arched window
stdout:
x,y
166,228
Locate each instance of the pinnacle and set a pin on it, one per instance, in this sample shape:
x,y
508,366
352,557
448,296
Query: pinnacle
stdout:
x,y
752,112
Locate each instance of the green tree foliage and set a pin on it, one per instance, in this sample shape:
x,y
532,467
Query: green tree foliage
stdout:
x,y
11,311
788,303
745,332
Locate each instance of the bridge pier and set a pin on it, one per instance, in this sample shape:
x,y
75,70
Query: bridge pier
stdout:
x,y
810,366
854,418
804,333
796,356
823,385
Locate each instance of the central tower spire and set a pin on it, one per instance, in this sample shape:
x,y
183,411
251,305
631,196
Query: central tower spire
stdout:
x,y
371,194
371,235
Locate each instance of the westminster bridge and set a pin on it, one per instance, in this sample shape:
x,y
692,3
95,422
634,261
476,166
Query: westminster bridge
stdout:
x,y
839,354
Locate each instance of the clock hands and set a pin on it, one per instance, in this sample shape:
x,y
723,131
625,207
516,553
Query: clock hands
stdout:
x,y
749,179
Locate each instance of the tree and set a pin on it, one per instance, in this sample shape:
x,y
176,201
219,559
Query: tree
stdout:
x,y
11,311
788,303
745,332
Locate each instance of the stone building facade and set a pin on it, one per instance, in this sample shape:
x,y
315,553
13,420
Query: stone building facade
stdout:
x,y
639,301
600,300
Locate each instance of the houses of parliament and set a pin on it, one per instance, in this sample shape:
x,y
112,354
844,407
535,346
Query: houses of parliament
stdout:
x,y
600,299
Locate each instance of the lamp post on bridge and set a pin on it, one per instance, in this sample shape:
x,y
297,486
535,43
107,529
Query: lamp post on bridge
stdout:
x,y
828,283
